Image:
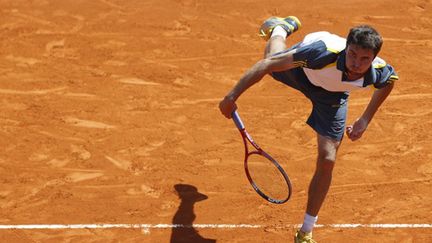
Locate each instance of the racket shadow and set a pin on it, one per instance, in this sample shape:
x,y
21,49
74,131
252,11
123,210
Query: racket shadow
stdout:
x,y
185,216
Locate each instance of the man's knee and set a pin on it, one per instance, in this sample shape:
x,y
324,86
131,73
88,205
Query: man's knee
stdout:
x,y
327,150
326,162
327,158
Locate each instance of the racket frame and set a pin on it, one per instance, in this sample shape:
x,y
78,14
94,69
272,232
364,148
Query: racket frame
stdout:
x,y
259,151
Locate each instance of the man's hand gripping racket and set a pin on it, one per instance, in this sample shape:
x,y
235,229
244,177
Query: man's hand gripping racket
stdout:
x,y
264,173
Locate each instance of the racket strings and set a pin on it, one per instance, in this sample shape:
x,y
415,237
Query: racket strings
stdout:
x,y
267,177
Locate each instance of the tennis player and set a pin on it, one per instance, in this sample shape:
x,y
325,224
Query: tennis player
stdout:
x,y
325,68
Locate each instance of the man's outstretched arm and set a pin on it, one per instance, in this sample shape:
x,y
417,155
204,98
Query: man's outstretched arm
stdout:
x,y
278,62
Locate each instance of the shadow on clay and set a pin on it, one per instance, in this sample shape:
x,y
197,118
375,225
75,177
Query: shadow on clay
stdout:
x,y
185,216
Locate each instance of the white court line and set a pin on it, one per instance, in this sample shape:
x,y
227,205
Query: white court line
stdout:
x,y
216,226
385,226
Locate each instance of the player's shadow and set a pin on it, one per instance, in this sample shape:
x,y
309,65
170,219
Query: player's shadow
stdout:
x,y
185,216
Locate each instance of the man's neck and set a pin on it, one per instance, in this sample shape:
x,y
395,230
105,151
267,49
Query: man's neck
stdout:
x,y
354,76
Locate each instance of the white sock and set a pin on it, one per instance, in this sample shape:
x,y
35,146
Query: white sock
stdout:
x,y
279,31
308,223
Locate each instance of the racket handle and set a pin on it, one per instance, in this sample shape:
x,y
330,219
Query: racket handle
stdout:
x,y
237,120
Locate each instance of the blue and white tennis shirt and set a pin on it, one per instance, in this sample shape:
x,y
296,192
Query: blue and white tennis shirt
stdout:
x,y
321,55
321,77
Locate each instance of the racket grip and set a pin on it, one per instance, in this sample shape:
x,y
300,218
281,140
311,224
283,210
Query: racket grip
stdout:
x,y
237,120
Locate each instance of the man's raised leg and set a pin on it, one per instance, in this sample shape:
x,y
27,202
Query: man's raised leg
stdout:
x,y
275,30
274,45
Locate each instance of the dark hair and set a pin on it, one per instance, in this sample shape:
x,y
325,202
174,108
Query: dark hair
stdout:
x,y
366,37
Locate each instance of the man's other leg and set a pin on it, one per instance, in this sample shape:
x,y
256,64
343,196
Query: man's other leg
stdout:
x,y
321,180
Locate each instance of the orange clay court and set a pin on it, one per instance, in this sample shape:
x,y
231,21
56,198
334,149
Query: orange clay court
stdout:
x,y
110,116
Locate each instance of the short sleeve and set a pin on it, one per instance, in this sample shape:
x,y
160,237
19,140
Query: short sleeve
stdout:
x,y
314,56
385,75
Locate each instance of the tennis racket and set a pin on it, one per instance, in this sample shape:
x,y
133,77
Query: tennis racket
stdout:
x,y
264,173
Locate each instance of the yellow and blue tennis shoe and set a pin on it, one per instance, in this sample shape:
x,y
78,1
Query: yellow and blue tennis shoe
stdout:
x,y
301,237
291,24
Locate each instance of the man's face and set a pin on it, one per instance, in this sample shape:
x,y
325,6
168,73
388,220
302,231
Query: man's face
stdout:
x,y
358,60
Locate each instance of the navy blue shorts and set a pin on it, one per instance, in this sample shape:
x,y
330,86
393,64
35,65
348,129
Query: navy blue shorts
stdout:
x,y
329,110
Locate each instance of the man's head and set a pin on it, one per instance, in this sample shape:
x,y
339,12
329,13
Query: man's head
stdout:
x,y
363,45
